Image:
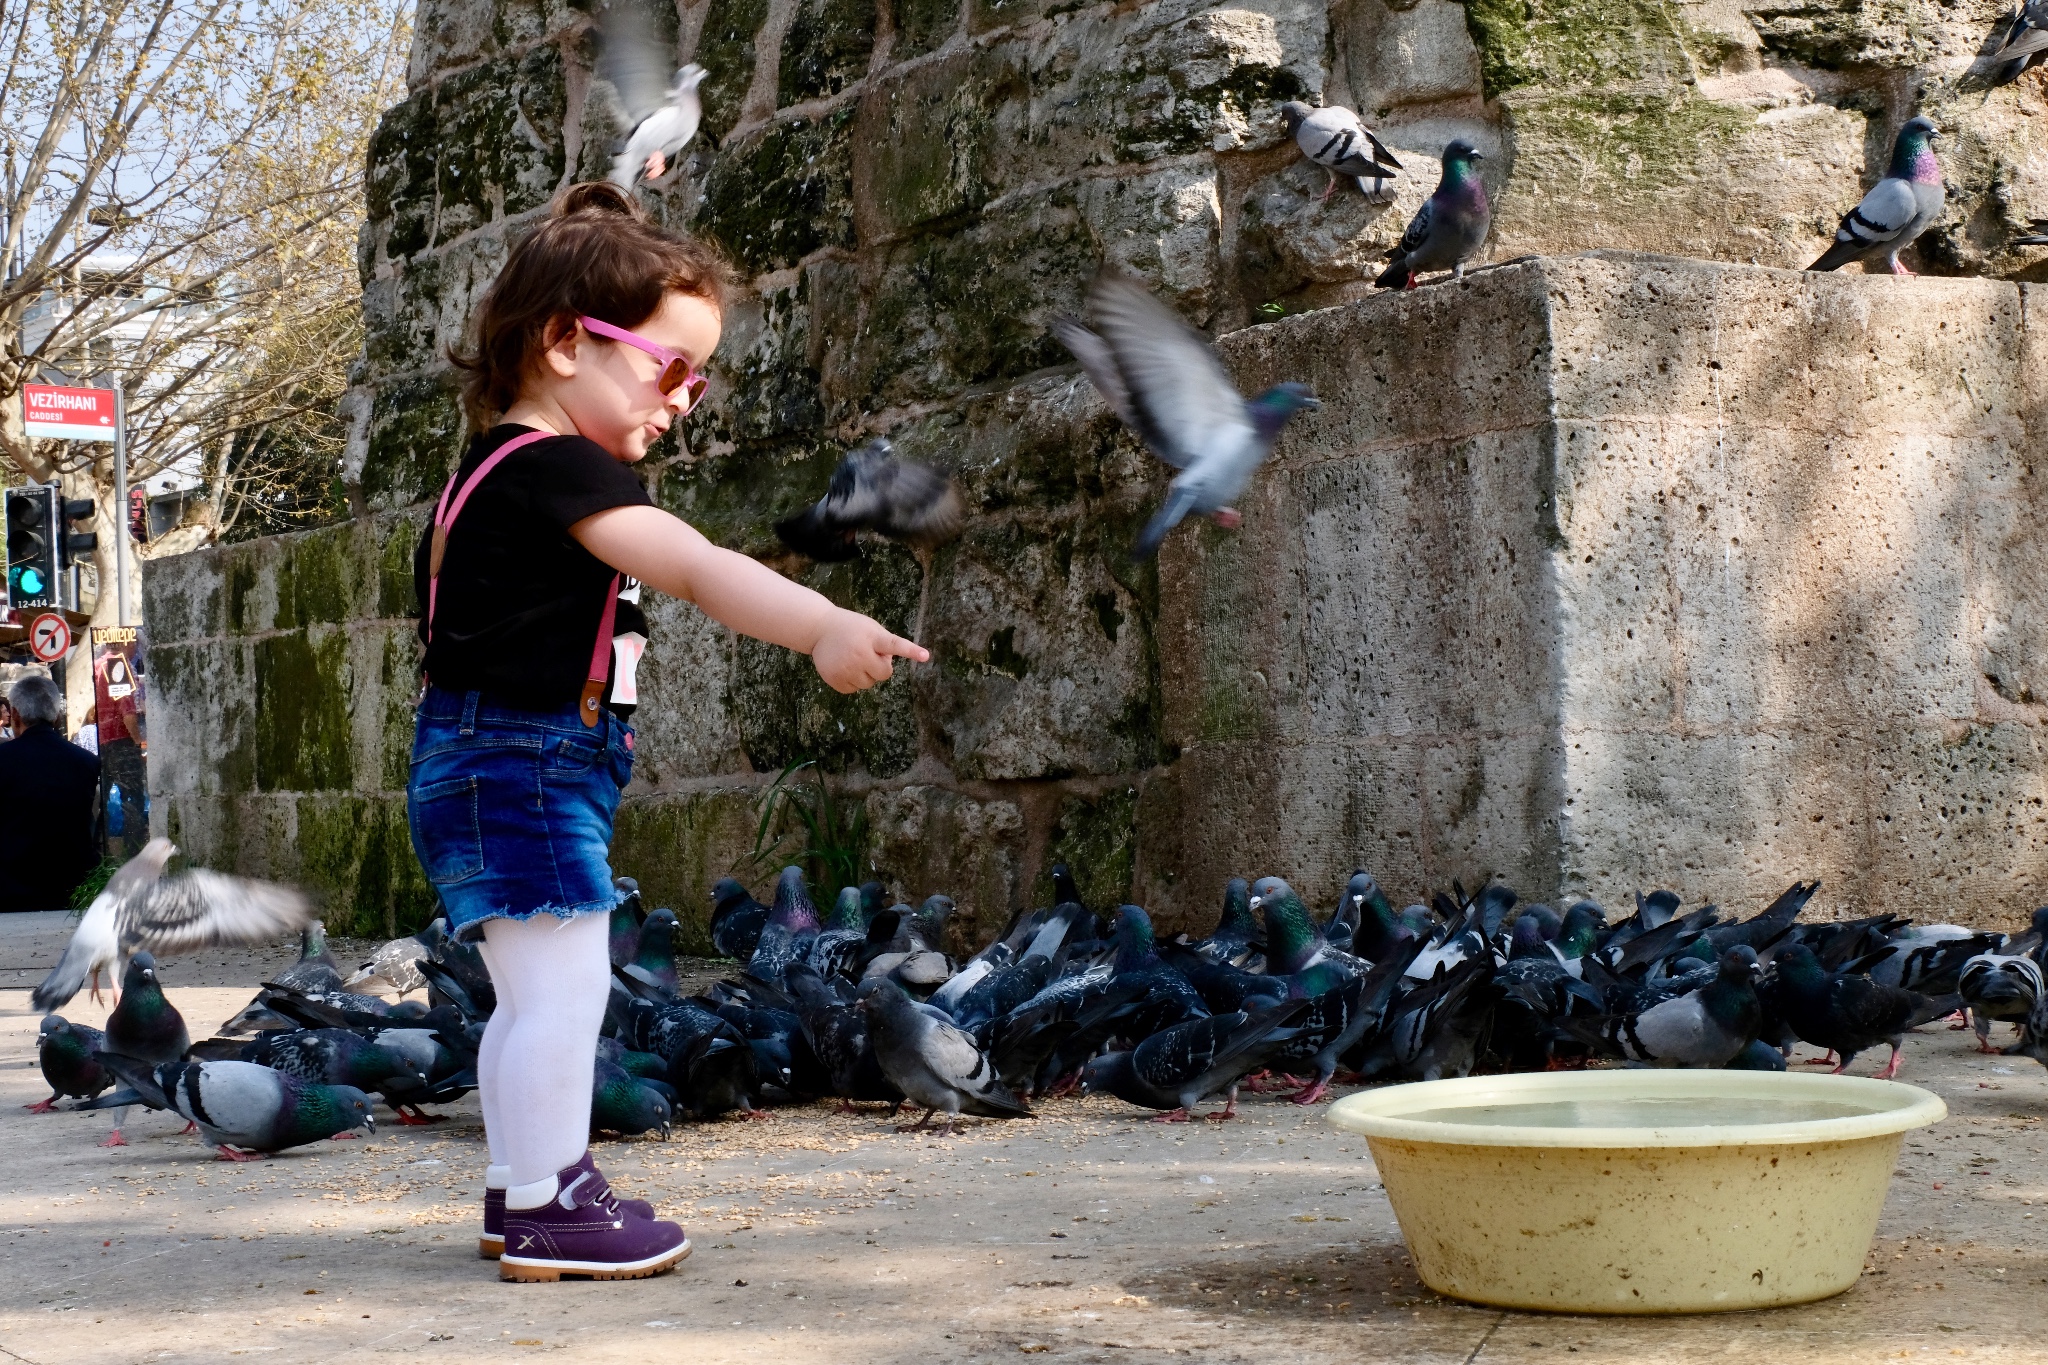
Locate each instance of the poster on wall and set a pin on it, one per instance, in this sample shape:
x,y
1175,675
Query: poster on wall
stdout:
x,y
118,698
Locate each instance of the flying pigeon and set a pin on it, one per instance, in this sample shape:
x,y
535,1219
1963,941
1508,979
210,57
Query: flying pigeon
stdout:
x,y
934,1063
142,909
664,109
245,1110
1334,139
65,1051
873,490
1898,208
1161,377
1449,228
2025,40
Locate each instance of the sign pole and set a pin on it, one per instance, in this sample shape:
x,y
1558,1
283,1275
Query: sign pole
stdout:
x,y
120,505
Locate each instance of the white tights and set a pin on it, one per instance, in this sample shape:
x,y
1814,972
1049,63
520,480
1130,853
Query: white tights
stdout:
x,y
539,1052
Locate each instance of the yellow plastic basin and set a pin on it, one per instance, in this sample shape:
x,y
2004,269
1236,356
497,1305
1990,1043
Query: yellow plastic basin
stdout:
x,y
1638,1191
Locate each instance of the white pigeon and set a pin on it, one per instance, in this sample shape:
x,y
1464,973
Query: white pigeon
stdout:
x,y
664,110
1161,377
1334,139
143,911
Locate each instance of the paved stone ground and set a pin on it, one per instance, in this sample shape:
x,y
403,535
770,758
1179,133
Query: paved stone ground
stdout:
x,y
1086,1235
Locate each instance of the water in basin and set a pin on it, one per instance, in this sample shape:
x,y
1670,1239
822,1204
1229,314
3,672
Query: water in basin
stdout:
x,y
1647,1112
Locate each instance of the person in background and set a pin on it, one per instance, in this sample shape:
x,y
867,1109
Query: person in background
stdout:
x,y
48,787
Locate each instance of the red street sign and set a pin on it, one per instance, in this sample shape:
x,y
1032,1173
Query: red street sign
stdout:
x,y
49,637
68,414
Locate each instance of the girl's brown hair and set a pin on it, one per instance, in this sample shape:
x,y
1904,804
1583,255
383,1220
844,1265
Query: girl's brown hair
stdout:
x,y
595,254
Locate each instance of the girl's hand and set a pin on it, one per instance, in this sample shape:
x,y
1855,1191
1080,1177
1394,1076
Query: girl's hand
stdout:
x,y
854,653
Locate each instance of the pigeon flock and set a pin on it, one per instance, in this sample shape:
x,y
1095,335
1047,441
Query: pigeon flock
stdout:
x,y
864,1005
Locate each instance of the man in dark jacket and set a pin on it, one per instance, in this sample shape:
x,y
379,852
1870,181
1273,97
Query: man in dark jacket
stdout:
x,y
47,789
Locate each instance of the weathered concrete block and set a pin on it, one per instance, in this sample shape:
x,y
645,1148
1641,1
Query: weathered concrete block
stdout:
x,y
929,839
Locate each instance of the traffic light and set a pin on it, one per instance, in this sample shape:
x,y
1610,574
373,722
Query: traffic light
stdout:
x,y
75,546
31,547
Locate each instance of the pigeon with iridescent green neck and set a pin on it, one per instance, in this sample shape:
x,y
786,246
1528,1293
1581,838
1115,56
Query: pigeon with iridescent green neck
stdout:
x,y
246,1110
836,951
786,938
1449,228
655,953
65,1051
1294,945
1898,208
1232,938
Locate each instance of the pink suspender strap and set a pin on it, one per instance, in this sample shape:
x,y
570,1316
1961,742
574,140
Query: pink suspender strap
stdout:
x,y
444,519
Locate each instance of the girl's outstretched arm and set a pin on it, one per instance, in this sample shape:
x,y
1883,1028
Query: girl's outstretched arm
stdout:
x,y
850,651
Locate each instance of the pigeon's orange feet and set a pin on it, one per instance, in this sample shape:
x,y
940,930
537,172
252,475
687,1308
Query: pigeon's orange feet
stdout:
x,y
42,1106
1229,518
656,164
114,1139
417,1119
344,1137
190,1127
235,1154
1171,1116
1312,1093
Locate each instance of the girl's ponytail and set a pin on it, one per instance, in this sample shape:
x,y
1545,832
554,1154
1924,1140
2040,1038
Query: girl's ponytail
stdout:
x,y
596,196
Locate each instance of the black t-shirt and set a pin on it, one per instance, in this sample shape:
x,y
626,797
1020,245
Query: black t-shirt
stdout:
x,y
520,600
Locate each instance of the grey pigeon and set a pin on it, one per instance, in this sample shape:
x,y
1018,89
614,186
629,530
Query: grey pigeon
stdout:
x,y
1161,377
142,909
2026,38
664,110
2037,233
936,1064
1898,208
1708,1028
791,926
1178,1067
1451,225
873,490
246,1110
1334,139
316,972
396,964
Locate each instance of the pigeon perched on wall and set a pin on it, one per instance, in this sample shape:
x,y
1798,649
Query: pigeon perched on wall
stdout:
x,y
1334,139
1451,225
873,490
2037,233
2026,39
1162,378
245,1110
65,1051
142,909
1898,208
663,110
936,1064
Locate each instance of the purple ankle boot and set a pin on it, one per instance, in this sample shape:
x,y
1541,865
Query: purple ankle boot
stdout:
x,y
584,1231
491,1245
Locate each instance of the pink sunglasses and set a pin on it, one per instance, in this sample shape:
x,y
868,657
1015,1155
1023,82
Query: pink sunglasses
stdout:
x,y
676,370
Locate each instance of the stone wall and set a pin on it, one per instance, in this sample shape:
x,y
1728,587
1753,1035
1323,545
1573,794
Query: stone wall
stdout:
x,y
1408,658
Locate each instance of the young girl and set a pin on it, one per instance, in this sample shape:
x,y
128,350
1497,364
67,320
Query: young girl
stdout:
x,y
589,344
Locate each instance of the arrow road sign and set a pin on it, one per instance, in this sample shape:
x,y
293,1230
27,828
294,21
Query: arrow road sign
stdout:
x,y
49,637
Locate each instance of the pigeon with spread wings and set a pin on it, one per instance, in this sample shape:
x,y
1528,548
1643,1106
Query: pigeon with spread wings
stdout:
x,y
141,909
1162,379
664,110
873,490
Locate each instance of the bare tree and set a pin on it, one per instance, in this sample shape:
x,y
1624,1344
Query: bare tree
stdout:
x,y
180,187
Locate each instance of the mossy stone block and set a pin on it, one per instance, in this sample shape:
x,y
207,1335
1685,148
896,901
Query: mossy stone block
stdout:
x,y
303,686
399,186
726,51
922,26
415,435
499,125
316,574
928,134
769,389
1560,44
1097,838
785,712
782,192
357,850
826,50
